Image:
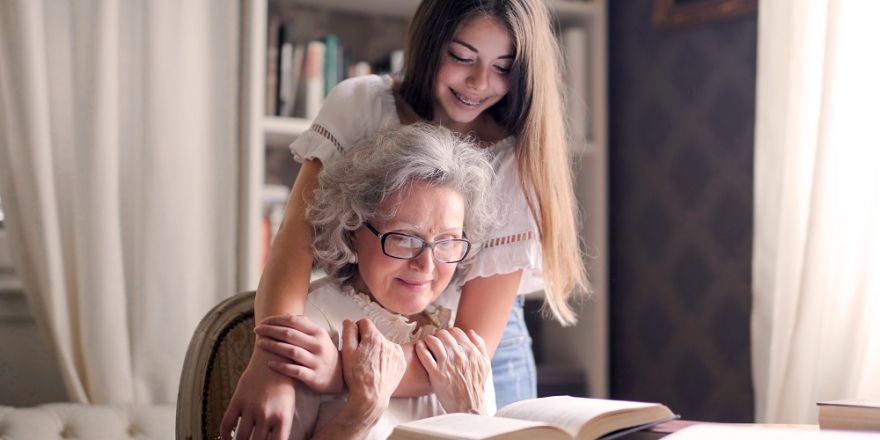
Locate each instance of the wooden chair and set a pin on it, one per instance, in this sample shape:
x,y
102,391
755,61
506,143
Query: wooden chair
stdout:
x,y
218,353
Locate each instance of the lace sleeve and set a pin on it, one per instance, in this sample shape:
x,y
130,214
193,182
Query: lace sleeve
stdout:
x,y
353,109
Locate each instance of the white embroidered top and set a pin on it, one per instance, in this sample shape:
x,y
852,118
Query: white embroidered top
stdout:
x,y
359,107
329,304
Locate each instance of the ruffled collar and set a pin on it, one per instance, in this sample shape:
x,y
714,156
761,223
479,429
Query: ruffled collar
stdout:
x,y
398,328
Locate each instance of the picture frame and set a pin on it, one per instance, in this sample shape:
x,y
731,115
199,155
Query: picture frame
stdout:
x,y
676,14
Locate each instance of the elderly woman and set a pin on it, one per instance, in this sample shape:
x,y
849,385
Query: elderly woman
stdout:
x,y
393,221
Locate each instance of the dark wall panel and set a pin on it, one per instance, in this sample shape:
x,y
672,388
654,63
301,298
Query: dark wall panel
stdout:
x,y
681,150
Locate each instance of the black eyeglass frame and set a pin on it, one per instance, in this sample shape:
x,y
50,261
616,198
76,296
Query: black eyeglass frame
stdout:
x,y
425,244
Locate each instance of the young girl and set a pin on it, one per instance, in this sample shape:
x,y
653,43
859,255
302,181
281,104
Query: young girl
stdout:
x,y
488,69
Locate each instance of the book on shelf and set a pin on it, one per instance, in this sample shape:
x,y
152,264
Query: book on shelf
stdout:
x,y
391,63
332,52
552,418
856,415
272,58
289,72
311,84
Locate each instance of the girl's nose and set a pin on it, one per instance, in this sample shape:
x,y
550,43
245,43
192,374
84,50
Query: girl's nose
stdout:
x,y
478,78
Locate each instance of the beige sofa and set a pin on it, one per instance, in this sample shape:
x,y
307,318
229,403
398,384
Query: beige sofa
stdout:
x,y
87,422
218,352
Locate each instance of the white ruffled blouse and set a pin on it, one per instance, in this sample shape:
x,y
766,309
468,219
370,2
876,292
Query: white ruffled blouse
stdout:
x,y
329,304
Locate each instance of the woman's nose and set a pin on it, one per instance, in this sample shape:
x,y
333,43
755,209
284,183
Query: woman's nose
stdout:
x,y
425,261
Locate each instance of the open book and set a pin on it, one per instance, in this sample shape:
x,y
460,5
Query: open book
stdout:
x,y
849,414
559,417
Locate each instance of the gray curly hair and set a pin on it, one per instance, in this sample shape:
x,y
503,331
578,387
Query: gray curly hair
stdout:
x,y
351,189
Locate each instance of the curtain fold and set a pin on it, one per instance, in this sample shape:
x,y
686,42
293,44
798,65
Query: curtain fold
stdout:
x,y
118,172
816,259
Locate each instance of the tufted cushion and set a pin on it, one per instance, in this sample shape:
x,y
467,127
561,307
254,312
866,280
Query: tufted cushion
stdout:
x,y
78,421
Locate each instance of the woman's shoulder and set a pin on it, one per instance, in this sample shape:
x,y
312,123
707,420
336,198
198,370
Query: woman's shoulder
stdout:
x,y
325,291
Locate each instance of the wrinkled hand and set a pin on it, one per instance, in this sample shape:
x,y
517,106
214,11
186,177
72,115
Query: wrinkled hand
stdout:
x,y
372,365
310,355
458,366
263,400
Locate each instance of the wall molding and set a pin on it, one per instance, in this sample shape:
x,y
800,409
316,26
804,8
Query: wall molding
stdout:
x,y
14,307
13,303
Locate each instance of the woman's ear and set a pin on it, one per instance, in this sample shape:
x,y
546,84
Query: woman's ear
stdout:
x,y
353,258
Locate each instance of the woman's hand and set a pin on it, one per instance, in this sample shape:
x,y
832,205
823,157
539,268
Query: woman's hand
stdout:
x,y
458,366
372,367
313,357
263,400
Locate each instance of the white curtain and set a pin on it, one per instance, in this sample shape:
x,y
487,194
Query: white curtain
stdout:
x,y
118,177
816,267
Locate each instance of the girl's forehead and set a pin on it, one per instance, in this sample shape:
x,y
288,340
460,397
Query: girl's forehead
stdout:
x,y
484,33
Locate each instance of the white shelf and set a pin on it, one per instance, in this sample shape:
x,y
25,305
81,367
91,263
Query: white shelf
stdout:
x,y
565,10
281,131
390,8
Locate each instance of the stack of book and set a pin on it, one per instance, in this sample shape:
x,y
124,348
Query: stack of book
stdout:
x,y
299,74
854,415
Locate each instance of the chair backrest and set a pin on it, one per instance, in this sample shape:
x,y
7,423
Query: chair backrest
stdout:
x,y
218,353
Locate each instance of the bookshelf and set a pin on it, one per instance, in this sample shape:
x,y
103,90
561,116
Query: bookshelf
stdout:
x,y
582,33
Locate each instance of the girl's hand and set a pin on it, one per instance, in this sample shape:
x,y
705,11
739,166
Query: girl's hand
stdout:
x,y
458,366
312,355
263,401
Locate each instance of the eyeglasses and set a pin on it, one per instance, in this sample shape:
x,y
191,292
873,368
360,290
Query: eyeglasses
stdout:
x,y
408,247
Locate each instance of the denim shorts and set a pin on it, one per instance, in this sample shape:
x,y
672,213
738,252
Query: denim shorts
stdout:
x,y
513,366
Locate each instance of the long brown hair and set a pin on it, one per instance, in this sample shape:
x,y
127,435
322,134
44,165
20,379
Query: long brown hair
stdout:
x,y
532,111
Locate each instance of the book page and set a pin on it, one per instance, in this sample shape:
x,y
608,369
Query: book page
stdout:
x,y
568,412
472,426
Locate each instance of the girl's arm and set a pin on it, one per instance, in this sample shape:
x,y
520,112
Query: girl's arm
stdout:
x,y
264,400
485,306
285,282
